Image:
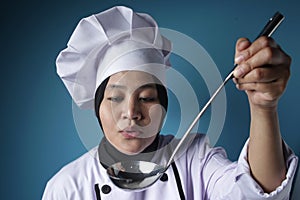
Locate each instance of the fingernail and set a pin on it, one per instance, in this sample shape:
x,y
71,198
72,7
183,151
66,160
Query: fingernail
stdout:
x,y
234,80
239,58
238,72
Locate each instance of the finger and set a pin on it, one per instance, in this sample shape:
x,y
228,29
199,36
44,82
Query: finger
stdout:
x,y
262,90
275,88
235,81
241,44
264,74
266,56
256,46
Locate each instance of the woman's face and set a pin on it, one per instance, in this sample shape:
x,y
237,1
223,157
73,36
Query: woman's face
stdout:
x,y
130,112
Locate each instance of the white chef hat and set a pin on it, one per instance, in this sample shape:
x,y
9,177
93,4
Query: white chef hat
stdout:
x,y
114,40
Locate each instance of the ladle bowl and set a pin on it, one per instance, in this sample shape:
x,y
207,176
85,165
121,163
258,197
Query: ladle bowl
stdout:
x,y
135,174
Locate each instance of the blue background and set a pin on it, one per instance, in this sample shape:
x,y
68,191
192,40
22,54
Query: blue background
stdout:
x,y
38,135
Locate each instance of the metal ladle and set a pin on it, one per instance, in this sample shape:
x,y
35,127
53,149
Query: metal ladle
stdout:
x,y
140,174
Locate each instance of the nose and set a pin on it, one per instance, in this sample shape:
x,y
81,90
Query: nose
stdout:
x,y
133,110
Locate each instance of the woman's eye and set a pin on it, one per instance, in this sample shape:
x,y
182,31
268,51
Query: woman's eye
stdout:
x,y
115,99
147,99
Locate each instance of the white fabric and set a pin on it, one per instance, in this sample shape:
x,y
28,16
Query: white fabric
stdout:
x,y
131,55
100,40
205,174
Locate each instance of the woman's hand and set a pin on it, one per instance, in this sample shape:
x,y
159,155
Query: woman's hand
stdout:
x,y
263,71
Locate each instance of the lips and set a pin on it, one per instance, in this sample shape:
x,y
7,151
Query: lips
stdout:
x,y
130,133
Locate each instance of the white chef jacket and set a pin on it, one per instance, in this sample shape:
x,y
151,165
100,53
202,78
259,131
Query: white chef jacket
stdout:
x,y
205,174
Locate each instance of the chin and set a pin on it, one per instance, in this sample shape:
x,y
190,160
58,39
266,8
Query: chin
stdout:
x,y
131,151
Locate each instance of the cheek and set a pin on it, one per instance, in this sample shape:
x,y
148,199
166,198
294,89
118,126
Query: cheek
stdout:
x,y
153,121
151,112
155,114
106,117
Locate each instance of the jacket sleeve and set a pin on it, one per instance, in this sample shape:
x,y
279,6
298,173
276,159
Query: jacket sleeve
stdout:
x,y
227,180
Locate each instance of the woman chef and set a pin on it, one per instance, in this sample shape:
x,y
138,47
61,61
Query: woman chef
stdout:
x,y
116,62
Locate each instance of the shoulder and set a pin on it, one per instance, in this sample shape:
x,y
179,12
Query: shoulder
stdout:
x,y
86,161
71,174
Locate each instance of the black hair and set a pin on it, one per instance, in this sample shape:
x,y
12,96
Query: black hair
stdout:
x,y
99,97
99,94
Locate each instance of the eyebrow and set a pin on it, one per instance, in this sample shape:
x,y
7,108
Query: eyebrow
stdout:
x,y
149,85
146,86
115,86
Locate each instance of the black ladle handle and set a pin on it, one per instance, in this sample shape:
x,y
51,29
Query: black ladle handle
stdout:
x,y
268,30
272,25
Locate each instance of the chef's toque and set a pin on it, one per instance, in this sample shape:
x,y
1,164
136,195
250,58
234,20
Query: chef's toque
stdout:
x,y
112,41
